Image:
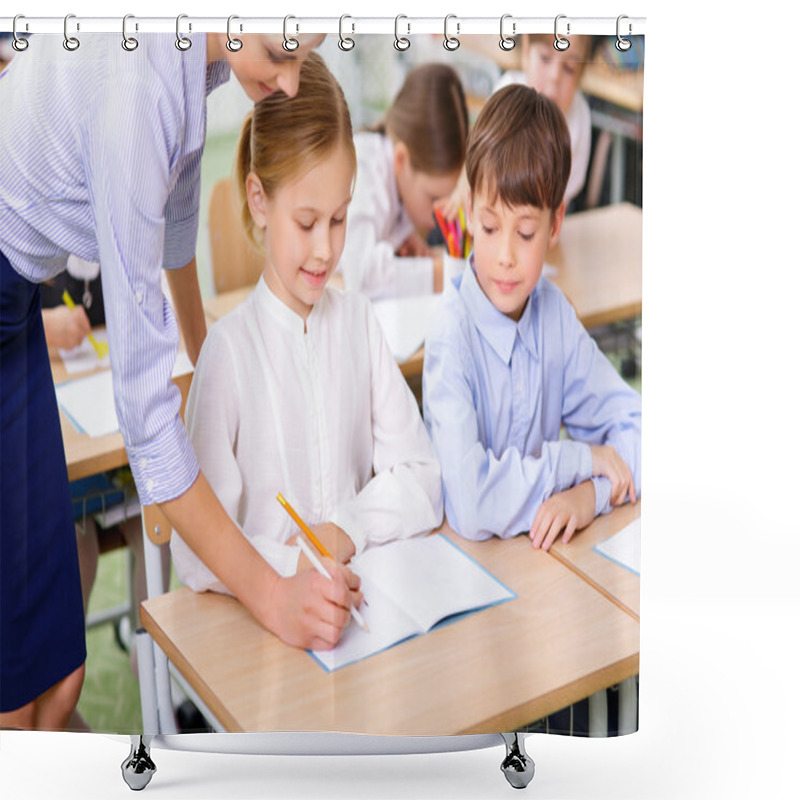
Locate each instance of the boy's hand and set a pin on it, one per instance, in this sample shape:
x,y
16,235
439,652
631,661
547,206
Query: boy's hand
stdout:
x,y
569,511
413,246
310,610
66,328
335,541
606,461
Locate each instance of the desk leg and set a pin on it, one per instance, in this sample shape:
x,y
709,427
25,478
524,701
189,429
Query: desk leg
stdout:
x,y
598,714
138,768
147,682
628,706
518,766
618,169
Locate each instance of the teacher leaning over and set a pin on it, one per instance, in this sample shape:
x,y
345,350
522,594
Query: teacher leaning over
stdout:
x,y
100,153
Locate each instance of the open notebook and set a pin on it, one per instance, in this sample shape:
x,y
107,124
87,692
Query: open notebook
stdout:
x,y
411,586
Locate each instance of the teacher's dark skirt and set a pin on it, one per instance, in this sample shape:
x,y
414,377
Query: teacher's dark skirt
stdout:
x,y
42,637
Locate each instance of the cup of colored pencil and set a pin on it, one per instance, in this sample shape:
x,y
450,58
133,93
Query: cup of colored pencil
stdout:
x,y
458,244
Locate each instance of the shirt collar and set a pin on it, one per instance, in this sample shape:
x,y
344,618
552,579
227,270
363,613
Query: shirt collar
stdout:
x,y
275,311
499,330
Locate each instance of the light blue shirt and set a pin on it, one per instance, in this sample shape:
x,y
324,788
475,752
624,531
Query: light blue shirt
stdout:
x,y
495,395
100,151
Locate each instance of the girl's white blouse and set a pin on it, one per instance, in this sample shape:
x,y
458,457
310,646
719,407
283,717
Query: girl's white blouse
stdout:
x,y
325,417
377,224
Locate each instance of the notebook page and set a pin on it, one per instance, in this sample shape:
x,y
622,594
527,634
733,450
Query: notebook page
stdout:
x,y
429,578
625,547
387,625
89,403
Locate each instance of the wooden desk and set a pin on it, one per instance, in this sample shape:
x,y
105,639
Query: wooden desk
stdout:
x,y
617,583
498,669
86,455
599,262
89,455
621,87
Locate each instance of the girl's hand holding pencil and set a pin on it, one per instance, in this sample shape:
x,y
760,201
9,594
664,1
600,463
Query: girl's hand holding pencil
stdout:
x,y
329,571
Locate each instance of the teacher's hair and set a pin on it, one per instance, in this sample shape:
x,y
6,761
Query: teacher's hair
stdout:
x,y
284,137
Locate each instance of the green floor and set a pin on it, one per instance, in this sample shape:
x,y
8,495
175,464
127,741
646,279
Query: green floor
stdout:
x,y
110,698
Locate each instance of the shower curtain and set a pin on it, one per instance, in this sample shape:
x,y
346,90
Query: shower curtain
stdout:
x,y
468,632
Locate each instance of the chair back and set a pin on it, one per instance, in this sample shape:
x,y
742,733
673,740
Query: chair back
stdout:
x,y
235,262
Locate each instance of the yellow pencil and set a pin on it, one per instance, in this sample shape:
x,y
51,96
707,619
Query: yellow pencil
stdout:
x,y
310,555
303,527
101,348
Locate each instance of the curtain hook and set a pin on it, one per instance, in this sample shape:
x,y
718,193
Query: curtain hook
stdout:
x,y
346,42
451,43
561,44
70,42
289,44
623,44
506,42
233,44
401,43
182,42
19,44
129,43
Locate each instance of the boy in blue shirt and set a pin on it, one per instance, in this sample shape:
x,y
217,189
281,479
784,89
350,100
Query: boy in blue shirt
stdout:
x,y
507,362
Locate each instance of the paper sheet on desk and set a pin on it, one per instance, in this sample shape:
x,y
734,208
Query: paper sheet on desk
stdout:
x,y
89,401
410,586
405,322
625,547
83,358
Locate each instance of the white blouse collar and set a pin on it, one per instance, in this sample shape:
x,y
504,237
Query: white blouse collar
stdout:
x,y
276,311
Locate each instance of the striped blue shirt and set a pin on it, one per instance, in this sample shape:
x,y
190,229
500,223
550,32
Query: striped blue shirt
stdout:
x,y
495,395
100,151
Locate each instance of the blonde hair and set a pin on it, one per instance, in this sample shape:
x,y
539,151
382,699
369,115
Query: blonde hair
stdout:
x,y
429,115
284,137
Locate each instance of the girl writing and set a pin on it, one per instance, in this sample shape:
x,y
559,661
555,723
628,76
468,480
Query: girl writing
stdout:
x,y
296,391
406,164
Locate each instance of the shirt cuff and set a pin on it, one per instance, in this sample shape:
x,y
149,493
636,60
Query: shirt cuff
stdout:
x,y
574,464
165,467
413,276
180,243
602,495
348,522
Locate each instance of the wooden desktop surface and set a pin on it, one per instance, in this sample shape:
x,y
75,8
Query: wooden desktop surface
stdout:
x,y
86,455
617,583
89,455
599,262
498,669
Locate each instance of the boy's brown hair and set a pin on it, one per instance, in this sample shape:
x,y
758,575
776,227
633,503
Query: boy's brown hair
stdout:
x,y
519,149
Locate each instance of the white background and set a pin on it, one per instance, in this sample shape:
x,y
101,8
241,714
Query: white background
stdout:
x,y
720,603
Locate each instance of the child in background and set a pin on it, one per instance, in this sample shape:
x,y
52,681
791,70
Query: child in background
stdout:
x,y
557,75
507,362
406,164
296,391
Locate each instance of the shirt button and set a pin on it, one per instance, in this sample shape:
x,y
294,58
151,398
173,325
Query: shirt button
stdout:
x,y
139,296
149,484
144,462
